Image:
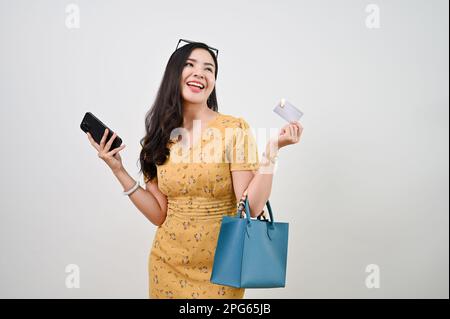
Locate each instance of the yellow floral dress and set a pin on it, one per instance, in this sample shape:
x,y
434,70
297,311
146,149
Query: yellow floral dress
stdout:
x,y
199,190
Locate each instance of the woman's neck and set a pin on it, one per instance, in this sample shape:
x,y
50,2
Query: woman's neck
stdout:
x,y
193,112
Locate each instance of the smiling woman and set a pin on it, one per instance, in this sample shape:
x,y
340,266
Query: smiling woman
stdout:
x,y
196,195
199,63
187,200
173,97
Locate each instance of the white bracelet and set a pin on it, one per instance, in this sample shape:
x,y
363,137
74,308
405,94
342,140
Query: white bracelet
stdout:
x,y
131,191
272,159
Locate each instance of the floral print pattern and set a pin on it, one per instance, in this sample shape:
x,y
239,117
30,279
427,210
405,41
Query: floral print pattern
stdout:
x,y
199,194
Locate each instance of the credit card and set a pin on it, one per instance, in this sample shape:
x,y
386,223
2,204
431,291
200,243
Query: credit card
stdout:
x,y
288,111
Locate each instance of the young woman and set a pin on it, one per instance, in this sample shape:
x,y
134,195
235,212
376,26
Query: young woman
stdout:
x,y
187,197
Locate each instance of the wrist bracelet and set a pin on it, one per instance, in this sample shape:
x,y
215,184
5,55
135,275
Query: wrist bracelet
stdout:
x,y
132,190
272,159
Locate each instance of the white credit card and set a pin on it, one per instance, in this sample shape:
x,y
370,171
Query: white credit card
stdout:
x,y
287,111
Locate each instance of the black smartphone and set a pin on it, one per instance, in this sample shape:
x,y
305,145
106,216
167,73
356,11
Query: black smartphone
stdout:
x,y
96,128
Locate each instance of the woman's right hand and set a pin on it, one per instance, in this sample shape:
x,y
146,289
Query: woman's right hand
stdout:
x,y
111,158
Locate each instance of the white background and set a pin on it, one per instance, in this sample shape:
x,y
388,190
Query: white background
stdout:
x,y
367,184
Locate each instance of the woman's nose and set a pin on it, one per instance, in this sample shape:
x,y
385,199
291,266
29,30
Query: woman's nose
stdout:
x,y
198,72
198,75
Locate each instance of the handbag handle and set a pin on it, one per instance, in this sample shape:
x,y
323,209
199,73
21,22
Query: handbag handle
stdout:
x,y
245,205
247,210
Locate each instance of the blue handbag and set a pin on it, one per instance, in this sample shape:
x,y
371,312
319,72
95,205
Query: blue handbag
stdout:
x,y
251,253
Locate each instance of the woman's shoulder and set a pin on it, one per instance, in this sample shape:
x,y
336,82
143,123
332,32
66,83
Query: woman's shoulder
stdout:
x,y
227,120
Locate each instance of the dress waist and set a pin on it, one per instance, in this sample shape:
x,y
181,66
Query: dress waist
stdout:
x,y
201,207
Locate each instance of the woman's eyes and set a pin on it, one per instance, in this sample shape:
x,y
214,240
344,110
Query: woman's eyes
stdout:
x,y
209,69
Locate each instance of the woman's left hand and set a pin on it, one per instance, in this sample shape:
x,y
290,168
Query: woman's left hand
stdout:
x,y
290,134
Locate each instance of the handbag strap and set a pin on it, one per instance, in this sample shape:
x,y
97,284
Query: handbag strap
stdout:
x,y
243,208
247,210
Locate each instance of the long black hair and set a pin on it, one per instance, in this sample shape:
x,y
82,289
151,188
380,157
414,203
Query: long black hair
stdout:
x,y
166,112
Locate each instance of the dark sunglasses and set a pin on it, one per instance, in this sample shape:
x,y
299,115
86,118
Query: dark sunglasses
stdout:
x,y
216,51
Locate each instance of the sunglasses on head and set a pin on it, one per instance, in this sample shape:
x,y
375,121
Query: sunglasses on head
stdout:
x,y
216,51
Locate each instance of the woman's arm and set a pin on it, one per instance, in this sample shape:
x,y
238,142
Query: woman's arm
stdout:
x,y
151,202
259,184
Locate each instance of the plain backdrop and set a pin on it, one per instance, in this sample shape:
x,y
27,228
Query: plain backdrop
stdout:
x,y
367,184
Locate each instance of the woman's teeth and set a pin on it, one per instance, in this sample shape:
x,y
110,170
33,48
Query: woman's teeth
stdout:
x,y
195,84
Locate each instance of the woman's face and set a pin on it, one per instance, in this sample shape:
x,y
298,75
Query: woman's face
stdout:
x,y
200,68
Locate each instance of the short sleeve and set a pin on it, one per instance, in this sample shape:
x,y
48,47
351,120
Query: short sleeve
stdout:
x,y
245,151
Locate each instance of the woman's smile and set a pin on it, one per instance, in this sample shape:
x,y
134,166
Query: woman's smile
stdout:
x,y
194,89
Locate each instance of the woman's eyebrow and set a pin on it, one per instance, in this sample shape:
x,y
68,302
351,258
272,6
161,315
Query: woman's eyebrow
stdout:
x,y
206,63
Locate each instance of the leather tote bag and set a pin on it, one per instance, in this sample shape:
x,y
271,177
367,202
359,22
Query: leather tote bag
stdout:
x,y
251,253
